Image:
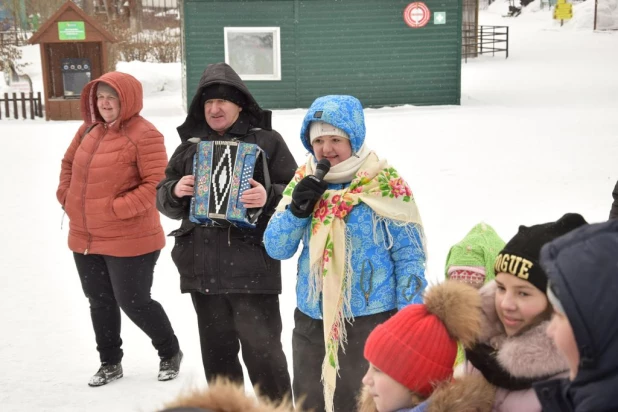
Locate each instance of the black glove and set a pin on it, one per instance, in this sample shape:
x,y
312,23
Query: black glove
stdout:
x,y
483,358
307,192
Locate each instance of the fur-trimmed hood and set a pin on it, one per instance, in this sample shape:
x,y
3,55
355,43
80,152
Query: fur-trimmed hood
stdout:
x,y
468,393
529,355
224,396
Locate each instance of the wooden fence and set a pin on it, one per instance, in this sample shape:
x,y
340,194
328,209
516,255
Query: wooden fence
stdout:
x,y
36,105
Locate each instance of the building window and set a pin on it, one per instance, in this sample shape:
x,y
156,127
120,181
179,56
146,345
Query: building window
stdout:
x,y
253,52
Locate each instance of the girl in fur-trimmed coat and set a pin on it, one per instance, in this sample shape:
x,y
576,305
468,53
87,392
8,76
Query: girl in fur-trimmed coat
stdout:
x,y
513,350
414,350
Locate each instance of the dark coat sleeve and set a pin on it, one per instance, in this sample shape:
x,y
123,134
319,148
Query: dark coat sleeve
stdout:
x,y
483,358
180,164
281,166
613,214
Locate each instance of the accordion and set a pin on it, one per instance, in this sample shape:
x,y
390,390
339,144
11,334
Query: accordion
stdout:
x,y
222,170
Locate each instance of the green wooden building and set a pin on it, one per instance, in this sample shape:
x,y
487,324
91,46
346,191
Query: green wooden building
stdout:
x,y
385,52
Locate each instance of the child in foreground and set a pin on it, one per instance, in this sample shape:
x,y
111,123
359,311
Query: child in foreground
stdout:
x,y
415,350
582,268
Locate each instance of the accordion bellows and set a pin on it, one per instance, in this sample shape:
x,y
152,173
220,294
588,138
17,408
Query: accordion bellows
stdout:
x,y
222,170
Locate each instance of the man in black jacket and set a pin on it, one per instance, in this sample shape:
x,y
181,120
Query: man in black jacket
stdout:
x,y
233,282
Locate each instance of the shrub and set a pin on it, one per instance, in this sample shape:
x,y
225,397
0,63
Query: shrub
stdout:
x,y
161,45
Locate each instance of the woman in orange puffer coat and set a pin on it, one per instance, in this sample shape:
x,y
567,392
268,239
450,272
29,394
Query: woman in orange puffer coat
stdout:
x,y
107,188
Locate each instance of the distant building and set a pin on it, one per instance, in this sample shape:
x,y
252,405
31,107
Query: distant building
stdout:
x,y
385,52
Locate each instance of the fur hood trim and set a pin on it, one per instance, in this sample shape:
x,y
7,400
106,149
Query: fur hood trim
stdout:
x,y
223,395
530,355
365,402
491,326
469,393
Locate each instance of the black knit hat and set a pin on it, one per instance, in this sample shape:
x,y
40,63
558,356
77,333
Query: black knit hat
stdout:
x,y
520,256
224,92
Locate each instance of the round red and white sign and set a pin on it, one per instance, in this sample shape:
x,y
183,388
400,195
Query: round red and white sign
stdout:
x,y
416,14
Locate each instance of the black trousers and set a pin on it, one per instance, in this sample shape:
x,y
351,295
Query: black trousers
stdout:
x,y
228,322
113,283
308,353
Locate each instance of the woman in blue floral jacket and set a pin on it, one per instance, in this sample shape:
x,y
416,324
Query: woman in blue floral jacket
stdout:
x,y
363,253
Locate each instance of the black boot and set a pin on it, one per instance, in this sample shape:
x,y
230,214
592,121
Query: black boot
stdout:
x,y
107,373
168,368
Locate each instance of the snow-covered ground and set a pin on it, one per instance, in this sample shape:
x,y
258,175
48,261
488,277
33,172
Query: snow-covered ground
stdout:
x,y
536,136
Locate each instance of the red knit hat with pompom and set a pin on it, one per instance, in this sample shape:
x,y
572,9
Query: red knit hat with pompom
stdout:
x,y
418,345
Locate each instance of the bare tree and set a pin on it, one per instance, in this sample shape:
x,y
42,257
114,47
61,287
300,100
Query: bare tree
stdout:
x,y
87,6
10,55
110,9
14,7
44,7
135,16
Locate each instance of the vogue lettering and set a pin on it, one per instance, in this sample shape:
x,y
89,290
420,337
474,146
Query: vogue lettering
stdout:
x,y
515,265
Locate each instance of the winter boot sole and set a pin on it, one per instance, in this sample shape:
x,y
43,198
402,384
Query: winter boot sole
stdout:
x,y
94,383
169,375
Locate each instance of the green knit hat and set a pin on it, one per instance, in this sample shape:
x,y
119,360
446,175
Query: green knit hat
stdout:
x,y
479,248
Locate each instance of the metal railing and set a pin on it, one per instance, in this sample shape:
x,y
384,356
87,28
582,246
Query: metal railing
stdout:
x,y
485,40
160,5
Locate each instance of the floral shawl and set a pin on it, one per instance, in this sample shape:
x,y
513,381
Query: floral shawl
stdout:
x,y
380,187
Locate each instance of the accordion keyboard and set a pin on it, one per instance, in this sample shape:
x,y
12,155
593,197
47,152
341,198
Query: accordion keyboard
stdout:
x,y
222,170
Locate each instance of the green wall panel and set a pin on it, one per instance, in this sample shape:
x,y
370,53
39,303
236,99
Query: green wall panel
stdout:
x,y
204,24
358,47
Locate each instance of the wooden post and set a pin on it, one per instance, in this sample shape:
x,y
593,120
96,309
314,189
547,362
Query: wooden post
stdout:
x,y
39,104
23,105
6,105
15,111
31,105
507,42
596,3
